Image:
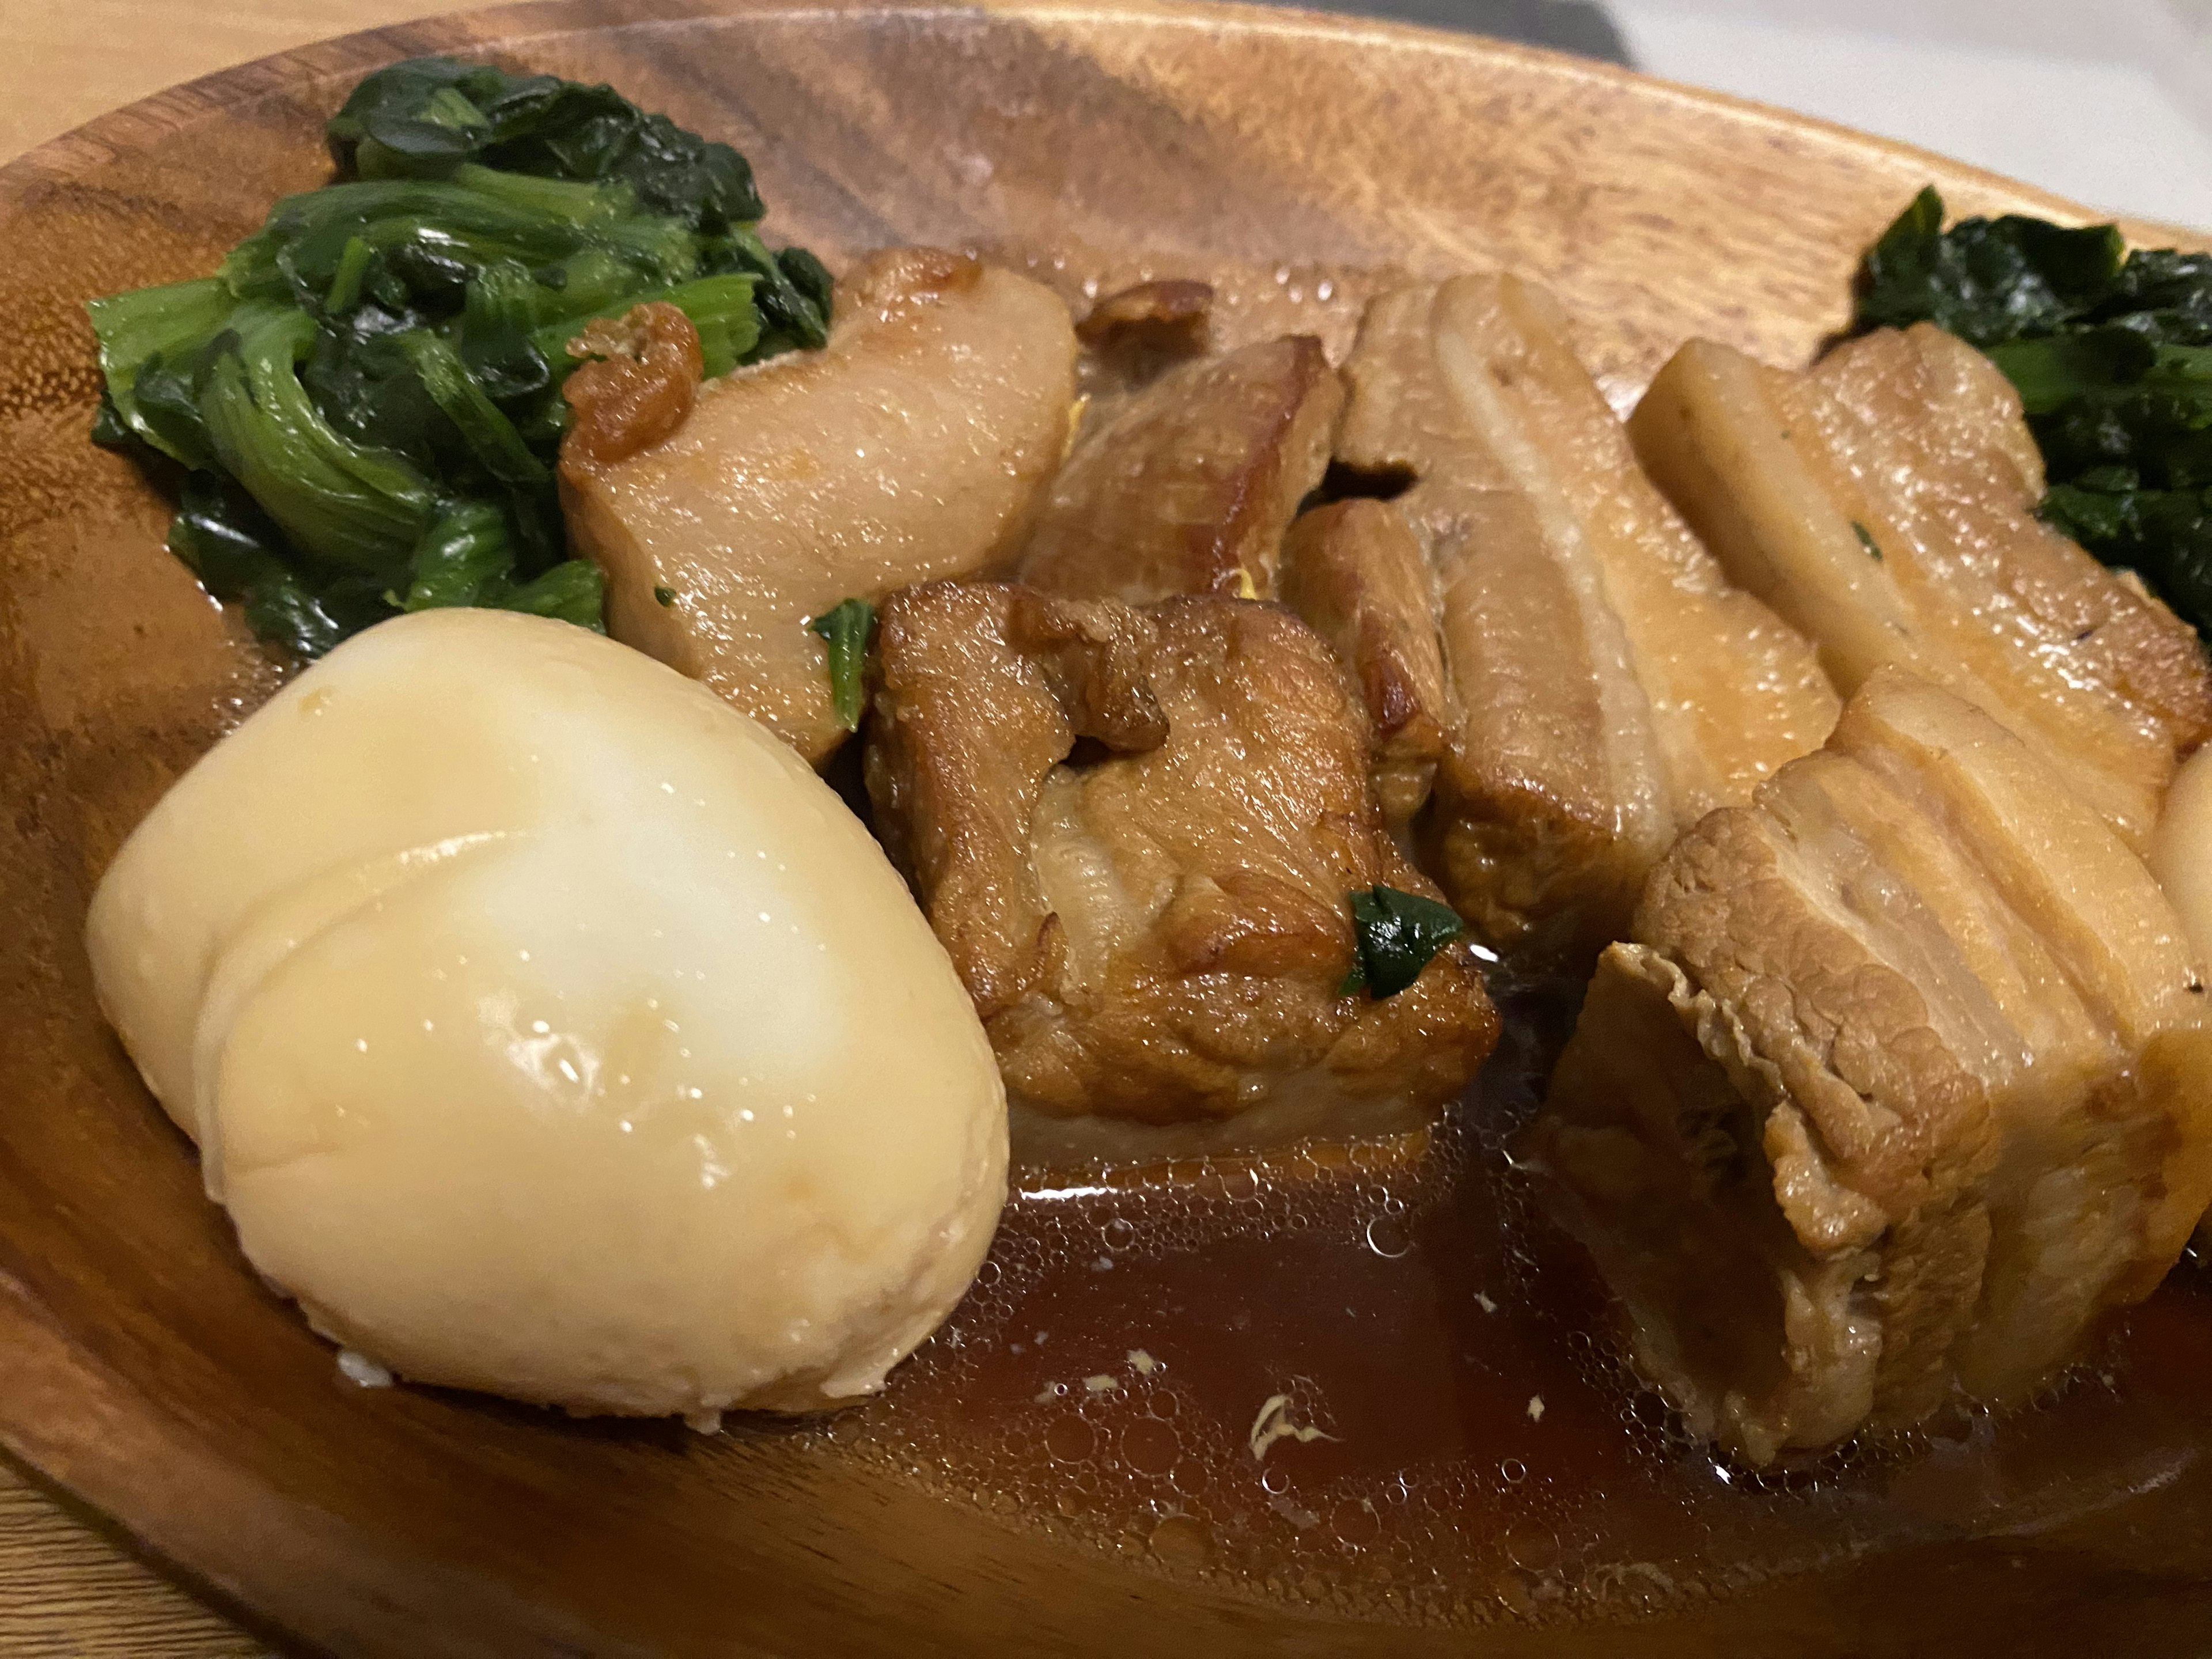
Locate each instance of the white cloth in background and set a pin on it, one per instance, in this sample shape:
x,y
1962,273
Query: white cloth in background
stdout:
x,y
2112,132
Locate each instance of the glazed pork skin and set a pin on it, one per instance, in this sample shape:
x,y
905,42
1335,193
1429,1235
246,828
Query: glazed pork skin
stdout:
x,y
1612,687
1884,502
1156,929
917,444
1904,1079
1188,484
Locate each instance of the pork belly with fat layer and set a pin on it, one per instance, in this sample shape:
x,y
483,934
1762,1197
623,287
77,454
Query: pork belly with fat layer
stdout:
x,y
1612,687
1903,1080
1884,502
917,444
1188,485
1357,574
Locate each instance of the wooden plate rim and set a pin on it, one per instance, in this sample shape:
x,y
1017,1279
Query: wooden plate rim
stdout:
x,y
111,1449
485,30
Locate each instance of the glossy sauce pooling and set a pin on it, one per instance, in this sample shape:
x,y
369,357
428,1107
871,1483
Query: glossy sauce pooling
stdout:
x,y
1144,1370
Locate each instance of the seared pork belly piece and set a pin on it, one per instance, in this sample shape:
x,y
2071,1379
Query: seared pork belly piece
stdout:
x,y
918,444
1357,575
2181,851
1905,1078
1612,686
1883,501
1188,486
1136,832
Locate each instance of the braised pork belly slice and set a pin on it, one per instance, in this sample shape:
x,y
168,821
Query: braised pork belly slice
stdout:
x,y
1905,1078
917,444
1188,486
1135,832
1612,686
1357,575
1883,501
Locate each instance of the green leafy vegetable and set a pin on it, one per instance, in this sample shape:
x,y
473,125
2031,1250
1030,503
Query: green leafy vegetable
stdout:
x,y
491,437
226,540
346,503
1986,280
367,396
846,627
460,558
431,117
572,590
150,328
427,117
1393,935
1866,540
2112,352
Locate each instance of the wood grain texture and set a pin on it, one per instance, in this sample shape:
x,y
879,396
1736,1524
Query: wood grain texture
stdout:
x,y
68,1592
141,1364
63,62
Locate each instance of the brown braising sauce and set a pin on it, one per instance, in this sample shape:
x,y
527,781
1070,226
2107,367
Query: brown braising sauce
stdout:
x,y
1144,1368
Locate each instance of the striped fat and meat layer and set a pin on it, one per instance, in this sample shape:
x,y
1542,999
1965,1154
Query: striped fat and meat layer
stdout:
x,y
1611,686
1912,1054
1883,502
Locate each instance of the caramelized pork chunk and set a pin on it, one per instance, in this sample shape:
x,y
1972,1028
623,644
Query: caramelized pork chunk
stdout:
x,y
1612,686
1188,485
1883,501
1136,833
1905,1078
1355,571
917,444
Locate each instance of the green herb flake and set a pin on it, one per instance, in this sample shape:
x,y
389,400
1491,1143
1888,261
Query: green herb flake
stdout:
x,y
846,628
664,597
1394,936
1866,540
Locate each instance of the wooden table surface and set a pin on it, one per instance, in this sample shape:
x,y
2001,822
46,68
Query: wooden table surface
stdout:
x,y
65,1589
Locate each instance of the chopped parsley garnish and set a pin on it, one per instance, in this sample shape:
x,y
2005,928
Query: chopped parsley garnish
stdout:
x,y
1866,539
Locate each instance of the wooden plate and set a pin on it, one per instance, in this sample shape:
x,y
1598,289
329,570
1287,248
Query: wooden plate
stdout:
x,y
141,1365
